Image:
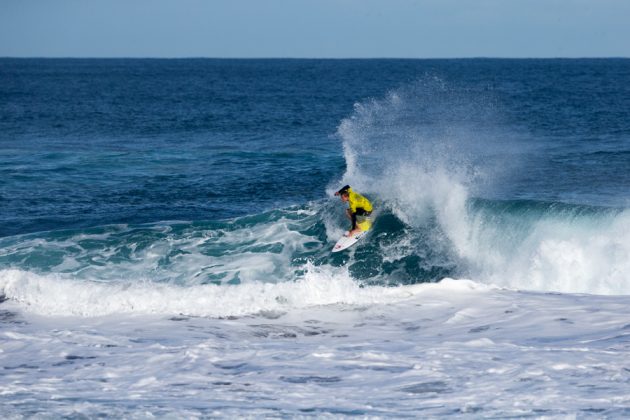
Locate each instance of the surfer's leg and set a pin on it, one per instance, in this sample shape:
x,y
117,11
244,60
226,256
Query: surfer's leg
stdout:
x,y
364,220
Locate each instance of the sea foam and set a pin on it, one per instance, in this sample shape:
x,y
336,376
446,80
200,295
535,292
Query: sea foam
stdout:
x,y
55,295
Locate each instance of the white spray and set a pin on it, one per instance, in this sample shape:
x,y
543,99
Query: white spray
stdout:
x,y
427,150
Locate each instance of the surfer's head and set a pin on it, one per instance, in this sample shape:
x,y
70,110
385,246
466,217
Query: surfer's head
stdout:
x,y
344,193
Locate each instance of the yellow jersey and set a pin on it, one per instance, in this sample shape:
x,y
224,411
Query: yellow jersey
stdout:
x,y
357,201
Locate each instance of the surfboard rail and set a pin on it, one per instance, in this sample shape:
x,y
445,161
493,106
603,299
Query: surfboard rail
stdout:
x,y
346,242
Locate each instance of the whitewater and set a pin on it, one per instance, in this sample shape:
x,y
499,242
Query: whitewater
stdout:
x,y
494,283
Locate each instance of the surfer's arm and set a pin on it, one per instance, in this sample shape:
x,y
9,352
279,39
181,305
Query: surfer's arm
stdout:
x,y
352,214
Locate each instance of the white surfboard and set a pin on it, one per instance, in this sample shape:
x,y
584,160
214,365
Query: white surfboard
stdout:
x,y
348,241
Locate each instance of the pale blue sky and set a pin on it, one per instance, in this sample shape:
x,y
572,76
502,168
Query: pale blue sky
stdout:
x,y
315,28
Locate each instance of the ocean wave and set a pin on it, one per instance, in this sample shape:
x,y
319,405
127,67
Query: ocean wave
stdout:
x,y
433,152
516,244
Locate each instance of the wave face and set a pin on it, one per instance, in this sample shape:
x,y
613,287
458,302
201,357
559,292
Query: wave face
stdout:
x,y
162,266
281,260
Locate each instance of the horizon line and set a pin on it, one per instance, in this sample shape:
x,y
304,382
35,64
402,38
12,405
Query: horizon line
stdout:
x,y
309,58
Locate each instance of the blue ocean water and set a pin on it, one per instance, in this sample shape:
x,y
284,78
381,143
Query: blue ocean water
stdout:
x,y
91,145
166,228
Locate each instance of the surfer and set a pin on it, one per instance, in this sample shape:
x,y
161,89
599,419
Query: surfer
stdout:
x,y
359,209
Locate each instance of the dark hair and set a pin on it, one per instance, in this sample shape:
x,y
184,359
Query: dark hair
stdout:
x,y
344,190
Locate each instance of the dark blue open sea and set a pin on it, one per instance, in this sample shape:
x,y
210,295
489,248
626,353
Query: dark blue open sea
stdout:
x,y
166,227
